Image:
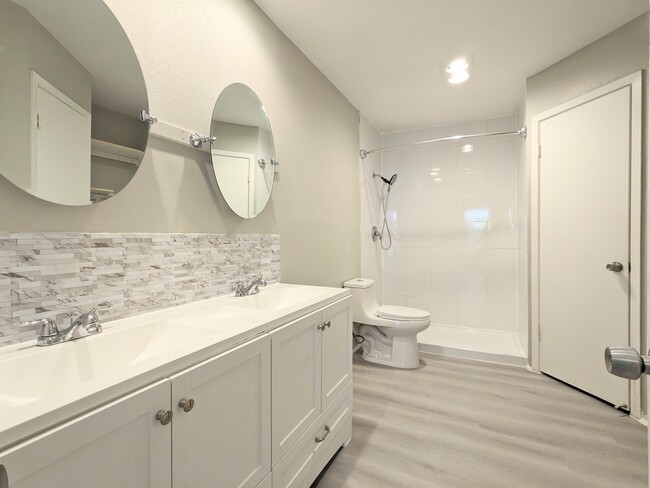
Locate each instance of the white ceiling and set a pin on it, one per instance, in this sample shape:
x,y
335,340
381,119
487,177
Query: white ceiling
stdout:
x,y
384,55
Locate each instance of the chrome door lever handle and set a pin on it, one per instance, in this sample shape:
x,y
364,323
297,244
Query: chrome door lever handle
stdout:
x,y
626,362
616,267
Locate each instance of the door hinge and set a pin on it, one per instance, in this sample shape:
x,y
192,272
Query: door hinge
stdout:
x,y
539,151
539,332
629,267
38,121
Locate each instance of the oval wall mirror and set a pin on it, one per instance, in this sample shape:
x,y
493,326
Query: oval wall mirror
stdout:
x,y
243,155
71,93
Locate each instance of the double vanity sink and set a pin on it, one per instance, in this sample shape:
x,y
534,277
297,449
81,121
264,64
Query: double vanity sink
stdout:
x,y
42,389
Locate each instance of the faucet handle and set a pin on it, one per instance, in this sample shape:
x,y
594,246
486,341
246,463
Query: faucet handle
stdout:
x,y
48,327
240,288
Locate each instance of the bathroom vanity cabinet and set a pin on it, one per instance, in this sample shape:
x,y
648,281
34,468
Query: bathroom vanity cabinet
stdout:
x,y
270,412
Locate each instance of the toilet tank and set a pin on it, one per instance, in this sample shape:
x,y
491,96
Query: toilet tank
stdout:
x,y
364,301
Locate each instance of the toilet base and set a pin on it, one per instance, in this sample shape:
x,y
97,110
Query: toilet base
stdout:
x,y
397,352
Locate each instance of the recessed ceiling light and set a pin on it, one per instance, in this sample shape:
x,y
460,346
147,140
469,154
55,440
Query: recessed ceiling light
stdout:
x,y
467,148
457,70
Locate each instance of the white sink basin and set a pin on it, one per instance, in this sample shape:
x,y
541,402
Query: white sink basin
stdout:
x,y
278,299
37,372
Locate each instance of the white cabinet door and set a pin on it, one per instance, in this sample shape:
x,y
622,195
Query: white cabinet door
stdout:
x,y
121,444
225,439
336,350
296,372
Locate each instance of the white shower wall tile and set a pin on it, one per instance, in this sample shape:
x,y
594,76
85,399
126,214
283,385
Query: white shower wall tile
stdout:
x,y
442,310
395,300
501,179
455,252
502,124
53,275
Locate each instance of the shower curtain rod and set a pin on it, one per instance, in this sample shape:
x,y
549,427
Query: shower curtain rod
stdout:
x,y
521,132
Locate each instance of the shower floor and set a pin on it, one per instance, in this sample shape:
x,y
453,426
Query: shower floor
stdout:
x,y
455,423
480,344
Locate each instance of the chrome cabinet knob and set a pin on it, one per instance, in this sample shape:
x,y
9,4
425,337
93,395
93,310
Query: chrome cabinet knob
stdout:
x,y
187,404
324,436
164,416
324,325
625,362
616,267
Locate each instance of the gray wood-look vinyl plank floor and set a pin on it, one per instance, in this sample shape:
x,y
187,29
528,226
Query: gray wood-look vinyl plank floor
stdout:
x,y
465,424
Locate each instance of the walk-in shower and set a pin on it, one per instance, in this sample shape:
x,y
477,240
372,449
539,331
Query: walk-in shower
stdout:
x,y
385,230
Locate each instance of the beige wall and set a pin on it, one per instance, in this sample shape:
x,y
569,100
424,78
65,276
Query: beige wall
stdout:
x,y
25,45
614,56
188,55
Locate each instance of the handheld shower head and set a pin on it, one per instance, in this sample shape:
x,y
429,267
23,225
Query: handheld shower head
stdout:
x,y
390,182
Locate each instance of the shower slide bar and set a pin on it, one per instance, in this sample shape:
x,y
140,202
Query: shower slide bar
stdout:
x,y
521,132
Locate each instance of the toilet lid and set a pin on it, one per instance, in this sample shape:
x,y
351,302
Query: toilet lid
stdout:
x,y
394,312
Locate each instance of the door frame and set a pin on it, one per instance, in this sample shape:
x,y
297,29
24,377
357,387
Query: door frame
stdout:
x,y
635,82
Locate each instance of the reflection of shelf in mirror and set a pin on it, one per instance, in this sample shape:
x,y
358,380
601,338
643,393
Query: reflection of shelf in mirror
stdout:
x,y
115,152
100,194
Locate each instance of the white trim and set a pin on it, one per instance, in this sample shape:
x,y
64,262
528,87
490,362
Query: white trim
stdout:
x,y
37,81
636,147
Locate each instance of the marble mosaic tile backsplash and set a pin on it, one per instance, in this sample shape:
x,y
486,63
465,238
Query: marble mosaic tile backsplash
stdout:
x,y
56,275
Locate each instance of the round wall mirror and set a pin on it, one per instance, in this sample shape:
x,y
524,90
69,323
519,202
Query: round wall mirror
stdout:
x,y
243,154
71,93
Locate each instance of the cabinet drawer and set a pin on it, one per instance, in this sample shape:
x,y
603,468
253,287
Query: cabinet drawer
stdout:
x,y
300,466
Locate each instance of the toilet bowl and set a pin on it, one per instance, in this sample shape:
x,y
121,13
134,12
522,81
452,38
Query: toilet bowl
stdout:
x,y
389,331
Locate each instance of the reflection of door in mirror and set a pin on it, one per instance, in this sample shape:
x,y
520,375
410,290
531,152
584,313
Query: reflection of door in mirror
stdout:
x,y
60,135
78,77
236,168
238,148
243,155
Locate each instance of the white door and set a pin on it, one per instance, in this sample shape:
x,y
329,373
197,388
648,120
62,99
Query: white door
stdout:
x,y
224,439
584,224
234,171
336,346
60,161
296,377
121,444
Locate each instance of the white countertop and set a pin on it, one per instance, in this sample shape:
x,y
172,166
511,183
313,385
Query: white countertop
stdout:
x,y
43,386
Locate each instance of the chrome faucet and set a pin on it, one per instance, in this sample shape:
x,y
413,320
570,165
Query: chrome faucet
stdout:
x,y
84,325
253,288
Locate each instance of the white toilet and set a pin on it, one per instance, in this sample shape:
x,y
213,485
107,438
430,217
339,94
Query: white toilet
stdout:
x,y
389,332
